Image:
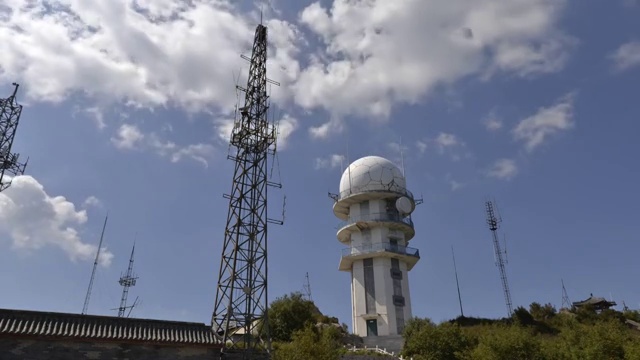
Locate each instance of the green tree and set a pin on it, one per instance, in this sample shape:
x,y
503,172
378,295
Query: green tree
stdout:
x,y
522,317
288,314
542,313
310,343
508,343
426,341
597,341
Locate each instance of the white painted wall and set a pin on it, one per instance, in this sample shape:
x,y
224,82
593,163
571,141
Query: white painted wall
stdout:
x,y
382,277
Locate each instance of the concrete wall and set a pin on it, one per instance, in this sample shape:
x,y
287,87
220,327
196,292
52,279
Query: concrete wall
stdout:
x,y
49,349
384,288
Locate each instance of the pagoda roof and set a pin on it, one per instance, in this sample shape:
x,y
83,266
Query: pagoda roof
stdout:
x,y
595,301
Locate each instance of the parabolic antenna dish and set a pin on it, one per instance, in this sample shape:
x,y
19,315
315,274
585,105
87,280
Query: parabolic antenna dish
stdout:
x,y
404,205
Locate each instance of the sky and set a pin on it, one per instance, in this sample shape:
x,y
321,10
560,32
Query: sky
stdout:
x,y
128,107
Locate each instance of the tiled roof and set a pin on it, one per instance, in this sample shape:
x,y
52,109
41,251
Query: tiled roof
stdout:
x,y
88,327
592,300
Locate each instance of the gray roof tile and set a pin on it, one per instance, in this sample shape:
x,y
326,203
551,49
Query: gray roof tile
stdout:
x,y
49,324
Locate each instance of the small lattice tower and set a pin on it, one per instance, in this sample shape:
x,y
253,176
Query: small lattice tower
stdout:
x,y
239,319
493,223
127,281
10,165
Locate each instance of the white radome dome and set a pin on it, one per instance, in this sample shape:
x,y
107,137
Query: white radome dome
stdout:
x,y
372,173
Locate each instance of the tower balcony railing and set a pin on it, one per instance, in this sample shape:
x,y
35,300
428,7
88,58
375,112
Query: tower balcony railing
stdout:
x,y
381,247
377,217
365,189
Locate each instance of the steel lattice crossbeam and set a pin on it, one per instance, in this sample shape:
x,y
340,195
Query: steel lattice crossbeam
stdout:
x,y
239,319
10,112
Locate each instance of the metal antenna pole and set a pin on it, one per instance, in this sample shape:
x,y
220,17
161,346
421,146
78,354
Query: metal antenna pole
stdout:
x,y
95,265
241,297
493,222
10,112
126,282
455,269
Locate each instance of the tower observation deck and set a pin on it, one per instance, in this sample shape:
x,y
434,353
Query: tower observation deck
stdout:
x,y
375,208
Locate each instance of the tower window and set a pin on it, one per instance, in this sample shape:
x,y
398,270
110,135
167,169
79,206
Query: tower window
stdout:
x,y
396,274
398,300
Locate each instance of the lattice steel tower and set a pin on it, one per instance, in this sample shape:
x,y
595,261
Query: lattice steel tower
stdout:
x,y
239,319
10,112
127,281
493,223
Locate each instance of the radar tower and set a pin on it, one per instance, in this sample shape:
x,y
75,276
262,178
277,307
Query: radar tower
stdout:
x,y
10,165
493,223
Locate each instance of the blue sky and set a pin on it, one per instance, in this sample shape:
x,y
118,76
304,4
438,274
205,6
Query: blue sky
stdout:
x,y
532,103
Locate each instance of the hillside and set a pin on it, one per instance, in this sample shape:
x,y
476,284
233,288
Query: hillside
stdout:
x,y
537,333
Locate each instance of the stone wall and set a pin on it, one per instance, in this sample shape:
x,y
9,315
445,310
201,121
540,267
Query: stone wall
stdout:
x,y
59,349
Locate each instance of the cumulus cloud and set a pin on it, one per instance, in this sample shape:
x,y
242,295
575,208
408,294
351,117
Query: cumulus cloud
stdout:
x,y
144,53
546,122
331,127
492,122
35,220
92,201
626,56
330,162
129,137
376,53
455,185
444,141
286,126
503,169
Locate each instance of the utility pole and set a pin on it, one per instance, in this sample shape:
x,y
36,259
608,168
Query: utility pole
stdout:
x,y
10,166
493,223
241,298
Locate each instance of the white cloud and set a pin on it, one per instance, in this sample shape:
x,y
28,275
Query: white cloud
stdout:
x,y
380,52
546,122
503,169
92,201
455,185
422,146
444,141
144,53
626,56
94,113
129,137
331,127
330,162
492,123
35,220
286,126
224,129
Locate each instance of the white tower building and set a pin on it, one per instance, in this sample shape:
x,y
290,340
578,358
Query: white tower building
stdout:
x,y
375,206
